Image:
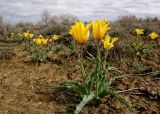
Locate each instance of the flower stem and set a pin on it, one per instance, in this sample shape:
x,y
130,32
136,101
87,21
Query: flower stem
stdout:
x,y
98,51
105,58
98,68
80,60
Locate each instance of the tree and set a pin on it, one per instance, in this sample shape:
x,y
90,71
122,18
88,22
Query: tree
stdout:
x,y
1,25
45,17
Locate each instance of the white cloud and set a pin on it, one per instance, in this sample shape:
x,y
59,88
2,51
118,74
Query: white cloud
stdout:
x,y
15,10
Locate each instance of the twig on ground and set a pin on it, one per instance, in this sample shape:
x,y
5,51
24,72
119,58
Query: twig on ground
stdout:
x,y
137,93
156,79
150,73
128,90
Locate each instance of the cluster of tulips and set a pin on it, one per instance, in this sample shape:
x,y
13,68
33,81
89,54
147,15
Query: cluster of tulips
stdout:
x,y
95,82
81,33
138,48
152,35
27,35
37,45
40,40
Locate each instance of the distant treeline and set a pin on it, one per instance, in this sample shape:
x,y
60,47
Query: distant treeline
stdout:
x,y
49,25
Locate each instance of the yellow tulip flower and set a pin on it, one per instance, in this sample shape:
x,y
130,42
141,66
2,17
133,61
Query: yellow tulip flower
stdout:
x,y
108,43
44,41
139,31
153,35
80,32
37,41
31,35
99,29
26,34
55,37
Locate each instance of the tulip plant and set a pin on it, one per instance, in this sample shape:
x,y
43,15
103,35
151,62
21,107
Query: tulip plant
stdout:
x,y
137,48
39,47
95,82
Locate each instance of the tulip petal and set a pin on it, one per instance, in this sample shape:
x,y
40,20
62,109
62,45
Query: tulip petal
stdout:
x,y
107,39
114,40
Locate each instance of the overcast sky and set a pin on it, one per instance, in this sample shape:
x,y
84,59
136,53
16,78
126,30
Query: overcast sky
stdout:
x,y
30,10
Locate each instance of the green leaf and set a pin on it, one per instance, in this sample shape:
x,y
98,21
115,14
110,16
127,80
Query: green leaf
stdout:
x,y
121,99
101,86
113,79
85,100
74,86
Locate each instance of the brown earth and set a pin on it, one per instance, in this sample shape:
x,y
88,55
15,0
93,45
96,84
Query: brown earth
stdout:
x,y
22,89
